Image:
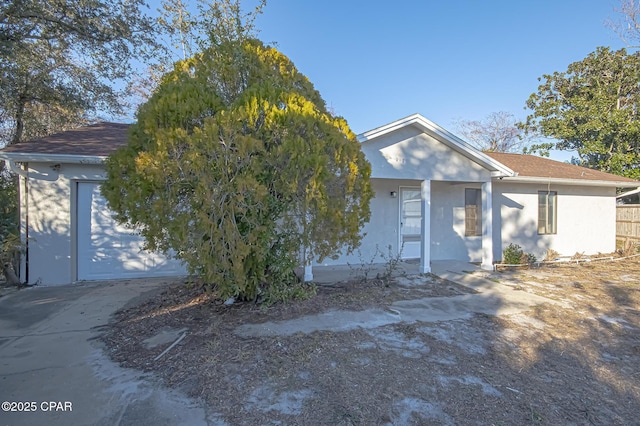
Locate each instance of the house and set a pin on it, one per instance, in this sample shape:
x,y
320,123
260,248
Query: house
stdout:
x,y
436,198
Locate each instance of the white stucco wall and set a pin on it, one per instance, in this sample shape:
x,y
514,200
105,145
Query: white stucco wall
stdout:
x,y
49,206
404,158
410,154
586,219
447,224
382,229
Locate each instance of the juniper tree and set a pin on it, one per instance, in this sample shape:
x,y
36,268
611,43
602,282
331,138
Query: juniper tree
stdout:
x,y
235,164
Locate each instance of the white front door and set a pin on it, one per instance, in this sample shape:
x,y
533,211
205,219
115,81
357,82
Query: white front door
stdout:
x,y
410,222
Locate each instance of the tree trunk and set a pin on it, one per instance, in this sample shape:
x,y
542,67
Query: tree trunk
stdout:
x,y
9,274
19,127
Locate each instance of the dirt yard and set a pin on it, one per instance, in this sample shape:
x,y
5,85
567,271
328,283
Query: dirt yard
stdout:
x,y
574,363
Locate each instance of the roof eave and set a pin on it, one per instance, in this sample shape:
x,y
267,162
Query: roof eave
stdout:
x,y
578,182
26,157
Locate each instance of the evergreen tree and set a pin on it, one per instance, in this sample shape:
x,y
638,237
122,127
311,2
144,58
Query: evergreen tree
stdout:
x,y
235,165
593,108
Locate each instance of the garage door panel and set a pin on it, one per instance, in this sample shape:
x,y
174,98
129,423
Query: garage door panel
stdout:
x,y
108,250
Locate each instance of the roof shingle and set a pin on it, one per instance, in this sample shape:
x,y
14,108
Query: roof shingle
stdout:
x,y
100,139
532,166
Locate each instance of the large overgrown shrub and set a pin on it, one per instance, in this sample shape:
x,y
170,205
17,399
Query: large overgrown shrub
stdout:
x,y
235,165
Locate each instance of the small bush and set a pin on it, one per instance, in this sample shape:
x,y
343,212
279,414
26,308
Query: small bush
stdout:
x,y
578,256
628,249
527,259
364,266
391,263
514,255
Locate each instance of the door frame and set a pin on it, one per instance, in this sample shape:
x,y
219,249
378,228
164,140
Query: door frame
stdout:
x,y
401,188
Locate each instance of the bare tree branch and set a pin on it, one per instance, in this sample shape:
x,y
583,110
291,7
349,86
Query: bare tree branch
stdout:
x,y
498,132
627,26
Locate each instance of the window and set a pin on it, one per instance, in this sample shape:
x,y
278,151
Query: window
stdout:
x,y
547,212
472,212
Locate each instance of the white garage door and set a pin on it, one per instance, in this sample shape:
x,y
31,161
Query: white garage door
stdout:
x,y
107,250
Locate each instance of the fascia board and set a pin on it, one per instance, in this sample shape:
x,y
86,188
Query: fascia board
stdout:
x,y
23,157
577,182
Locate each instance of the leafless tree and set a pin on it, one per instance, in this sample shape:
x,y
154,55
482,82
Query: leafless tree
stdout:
x,y
498,132
627,26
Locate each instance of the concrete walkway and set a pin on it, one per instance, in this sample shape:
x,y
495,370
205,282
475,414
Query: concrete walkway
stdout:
x,y
48,353
492,298
50,357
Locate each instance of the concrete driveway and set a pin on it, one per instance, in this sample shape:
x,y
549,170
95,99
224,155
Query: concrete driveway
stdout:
x,y
52,364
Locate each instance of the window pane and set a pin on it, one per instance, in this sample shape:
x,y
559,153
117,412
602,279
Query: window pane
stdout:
x,y
552,213
472,212
547,213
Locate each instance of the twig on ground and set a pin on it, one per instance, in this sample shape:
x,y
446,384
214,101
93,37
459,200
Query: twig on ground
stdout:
x,y
172,345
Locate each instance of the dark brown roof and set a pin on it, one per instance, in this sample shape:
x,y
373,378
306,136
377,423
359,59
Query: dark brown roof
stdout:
x,y
532,166
100,139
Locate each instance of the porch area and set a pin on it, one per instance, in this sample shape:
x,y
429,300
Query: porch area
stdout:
x,y
425,224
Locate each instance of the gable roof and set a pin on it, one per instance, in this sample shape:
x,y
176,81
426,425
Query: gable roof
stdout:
x,y
532,168
99,140
442,135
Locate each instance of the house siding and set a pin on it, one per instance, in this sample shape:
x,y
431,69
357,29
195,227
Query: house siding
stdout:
x,y
448,240
586,219
447,224
48,209
382,229
410,154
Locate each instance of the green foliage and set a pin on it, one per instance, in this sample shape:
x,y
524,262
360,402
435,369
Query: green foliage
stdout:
x,y
528,259
593,108
8,202
514,255
58,60
10,245
235,164
281,292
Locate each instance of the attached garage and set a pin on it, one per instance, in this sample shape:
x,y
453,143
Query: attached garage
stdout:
x,y
68,230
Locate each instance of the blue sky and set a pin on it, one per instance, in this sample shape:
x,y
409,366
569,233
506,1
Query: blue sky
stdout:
x,y
375,62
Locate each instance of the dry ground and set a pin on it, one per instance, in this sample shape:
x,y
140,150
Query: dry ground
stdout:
x,y
577,364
